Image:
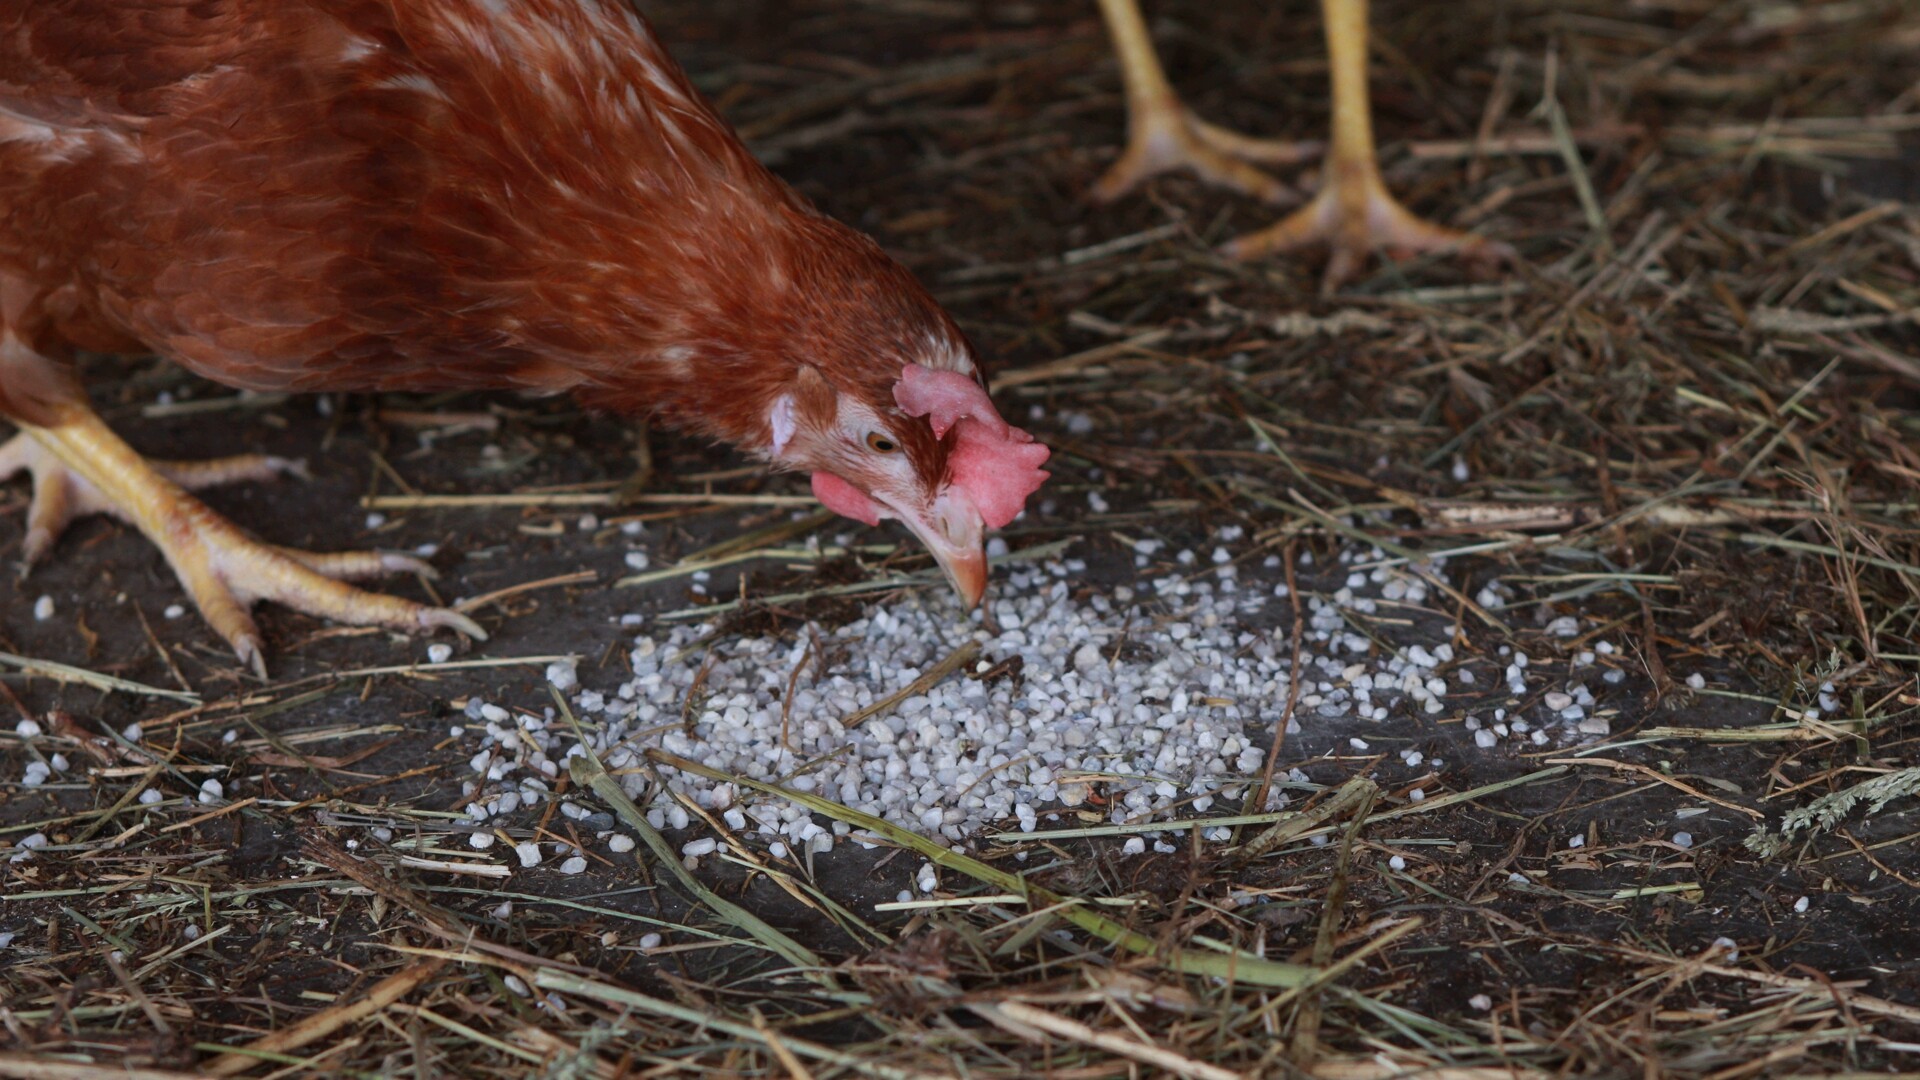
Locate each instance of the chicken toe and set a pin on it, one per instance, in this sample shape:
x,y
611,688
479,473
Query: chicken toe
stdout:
x,y
1355,215
1164,136
62,496
79,466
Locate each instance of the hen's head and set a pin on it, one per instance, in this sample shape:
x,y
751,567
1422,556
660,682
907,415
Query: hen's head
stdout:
x,y
916,440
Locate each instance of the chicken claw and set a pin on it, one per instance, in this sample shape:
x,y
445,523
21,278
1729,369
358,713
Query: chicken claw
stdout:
x,y
81,467
1164,136
62,497
1355,215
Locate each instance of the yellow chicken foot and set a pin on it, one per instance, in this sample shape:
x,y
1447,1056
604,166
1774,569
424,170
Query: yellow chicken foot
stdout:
x,y
1353,213
1164,136
62,497
80,466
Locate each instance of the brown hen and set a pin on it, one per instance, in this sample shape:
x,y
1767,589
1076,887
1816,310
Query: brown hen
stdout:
x,y
404,195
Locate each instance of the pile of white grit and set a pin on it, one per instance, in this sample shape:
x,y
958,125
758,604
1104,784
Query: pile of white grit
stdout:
x,y
1160,698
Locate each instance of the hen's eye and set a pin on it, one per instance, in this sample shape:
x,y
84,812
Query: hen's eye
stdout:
x,y
880,444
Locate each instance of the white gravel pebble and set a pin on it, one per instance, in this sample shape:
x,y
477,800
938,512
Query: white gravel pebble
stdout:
x,y
151,796
1683,839
1801,904
480,841
529,854
1165,691
439,652
43,608
575,865
212,791
1397,862
1480,1002
650,941
620,842
1697,681
174,611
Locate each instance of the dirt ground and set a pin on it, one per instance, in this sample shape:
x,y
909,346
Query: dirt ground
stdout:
x,y
1618,370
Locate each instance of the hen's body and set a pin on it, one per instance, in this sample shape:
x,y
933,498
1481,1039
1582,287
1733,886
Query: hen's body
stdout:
x,y
372,195
351,195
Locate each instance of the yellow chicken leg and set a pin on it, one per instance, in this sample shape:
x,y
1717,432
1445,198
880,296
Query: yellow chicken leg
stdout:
x,y
1163,136
1353,213
80,466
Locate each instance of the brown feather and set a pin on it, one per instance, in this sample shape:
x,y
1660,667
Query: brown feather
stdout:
x,y
457,194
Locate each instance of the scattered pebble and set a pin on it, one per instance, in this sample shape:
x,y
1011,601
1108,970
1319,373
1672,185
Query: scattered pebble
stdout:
x,y
575,865
1683,839
212,791
43,608
1697,681
1170,724
1801,904
439,652
620,842
650,941
1480,1002
528,853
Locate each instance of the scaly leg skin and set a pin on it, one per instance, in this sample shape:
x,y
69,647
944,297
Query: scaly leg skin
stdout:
x,y
80,466
62,497
1163,136
1353,213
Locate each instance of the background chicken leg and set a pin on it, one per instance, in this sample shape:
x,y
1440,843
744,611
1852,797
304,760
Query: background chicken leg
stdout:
x,y
1164,136
1353,213
80,466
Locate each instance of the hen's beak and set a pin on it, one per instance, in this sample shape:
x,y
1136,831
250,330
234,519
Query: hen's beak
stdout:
x,y
954,533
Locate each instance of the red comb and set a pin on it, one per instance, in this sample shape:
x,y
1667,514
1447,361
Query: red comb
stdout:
x,y
945,398
995,463
997,473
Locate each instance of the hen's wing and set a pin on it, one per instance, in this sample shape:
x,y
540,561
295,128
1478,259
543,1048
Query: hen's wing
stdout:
x,y
362,194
